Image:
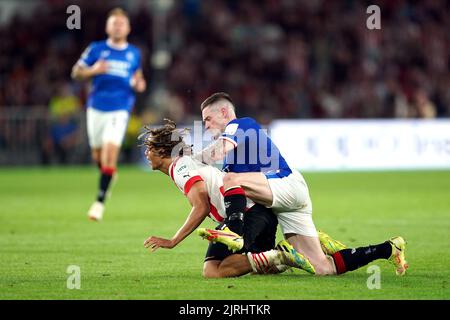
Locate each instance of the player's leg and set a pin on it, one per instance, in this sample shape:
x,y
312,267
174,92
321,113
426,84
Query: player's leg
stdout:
x,y
260,226
221,262
239,186
234,265
95,123
349,259
392,250
255,185
113,134
264,241
309,246
109,156
96,156
290,193
259,236
293,206
111,131
299,230
297,225
95,126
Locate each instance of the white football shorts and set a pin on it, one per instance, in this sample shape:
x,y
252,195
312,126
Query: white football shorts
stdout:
x,y
292,204
106,127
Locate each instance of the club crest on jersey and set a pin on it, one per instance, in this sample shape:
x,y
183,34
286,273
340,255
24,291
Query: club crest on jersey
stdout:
x,y
129,56
104,54
231,128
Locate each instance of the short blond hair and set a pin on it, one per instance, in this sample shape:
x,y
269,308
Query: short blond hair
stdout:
x,y
118,12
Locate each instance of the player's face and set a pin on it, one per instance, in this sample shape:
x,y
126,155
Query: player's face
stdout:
x,y
215,120
118,27
153,160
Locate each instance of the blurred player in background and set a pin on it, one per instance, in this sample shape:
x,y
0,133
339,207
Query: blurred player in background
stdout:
x,y
114,66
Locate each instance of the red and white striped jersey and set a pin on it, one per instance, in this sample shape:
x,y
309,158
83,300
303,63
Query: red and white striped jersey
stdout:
x,y
185,171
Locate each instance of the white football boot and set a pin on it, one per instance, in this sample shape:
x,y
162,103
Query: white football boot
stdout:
x,y
96,210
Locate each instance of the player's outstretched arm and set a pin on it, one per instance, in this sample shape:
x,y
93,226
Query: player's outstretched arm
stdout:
x,y
215,151
81,73
198,197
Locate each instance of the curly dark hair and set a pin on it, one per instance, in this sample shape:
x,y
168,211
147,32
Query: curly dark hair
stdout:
x,y
166,141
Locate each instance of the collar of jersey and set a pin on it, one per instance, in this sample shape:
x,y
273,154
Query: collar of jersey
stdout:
x,y
172,166
115,47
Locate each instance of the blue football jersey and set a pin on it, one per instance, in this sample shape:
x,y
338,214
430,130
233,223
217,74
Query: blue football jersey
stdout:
x,y
254,150
112,90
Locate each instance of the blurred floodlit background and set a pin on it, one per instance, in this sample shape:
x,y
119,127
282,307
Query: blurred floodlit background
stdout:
x,y
278,59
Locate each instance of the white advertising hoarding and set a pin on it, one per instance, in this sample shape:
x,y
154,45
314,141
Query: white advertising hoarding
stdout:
x,y
363,144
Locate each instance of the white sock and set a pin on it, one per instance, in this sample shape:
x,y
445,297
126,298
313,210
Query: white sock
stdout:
x,y
264,262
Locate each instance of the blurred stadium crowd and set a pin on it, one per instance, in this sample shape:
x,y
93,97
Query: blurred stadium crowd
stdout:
x,y
277,59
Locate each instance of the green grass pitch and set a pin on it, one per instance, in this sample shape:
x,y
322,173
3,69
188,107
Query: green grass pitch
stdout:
x,y
44,229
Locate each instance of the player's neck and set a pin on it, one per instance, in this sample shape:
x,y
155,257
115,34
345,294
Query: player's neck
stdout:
x,y
165,164
119,44
231,118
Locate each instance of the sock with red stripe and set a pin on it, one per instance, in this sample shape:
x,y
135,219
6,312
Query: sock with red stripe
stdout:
x,y
265,262
105,181
352,259
235,203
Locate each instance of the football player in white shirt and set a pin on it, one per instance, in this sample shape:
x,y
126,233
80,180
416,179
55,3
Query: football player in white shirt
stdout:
x,y
203,186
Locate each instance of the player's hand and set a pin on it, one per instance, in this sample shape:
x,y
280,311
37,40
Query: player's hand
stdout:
x,y
154,243
100,67
138,84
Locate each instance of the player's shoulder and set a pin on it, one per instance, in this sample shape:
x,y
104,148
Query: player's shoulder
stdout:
x,y
184,163
94,47
133,48
244,120
92,50
242,123
97,44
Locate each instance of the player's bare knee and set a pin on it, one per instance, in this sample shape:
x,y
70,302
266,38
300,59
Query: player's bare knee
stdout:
x,y
110,164
109,158
206,274
210,274
210,271
205,271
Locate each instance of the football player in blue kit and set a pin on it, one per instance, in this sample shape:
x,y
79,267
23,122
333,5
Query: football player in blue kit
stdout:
x,y
257,170
114,68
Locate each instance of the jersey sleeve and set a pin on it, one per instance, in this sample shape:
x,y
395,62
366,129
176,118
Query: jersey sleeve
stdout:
x,y
236,131
185,174
89,56
138,63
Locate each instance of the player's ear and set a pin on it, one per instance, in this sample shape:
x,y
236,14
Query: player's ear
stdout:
x,y
224,112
